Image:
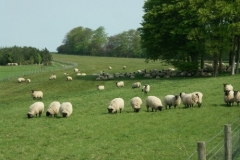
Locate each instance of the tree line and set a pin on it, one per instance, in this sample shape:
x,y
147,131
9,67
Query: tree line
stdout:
x,y
24,55
85,41
189,32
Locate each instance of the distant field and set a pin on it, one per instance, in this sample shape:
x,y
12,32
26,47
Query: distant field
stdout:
x,y
90,132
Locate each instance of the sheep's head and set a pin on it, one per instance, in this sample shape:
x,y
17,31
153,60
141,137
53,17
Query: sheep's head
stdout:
x,y
48,114
137,109
64,115
29,115
159,108
110,110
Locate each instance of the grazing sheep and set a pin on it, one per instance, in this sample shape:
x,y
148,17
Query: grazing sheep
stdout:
x,y
172,100
136,103
200,97
136,85
53,76
28,80
21,80
53,109
115,105
109,67
124,67
189,99
227,87
146,88
66,74
100,87
153,102
120,84
36,108
237,97
37,94
69,78
66,109
75,69
229,97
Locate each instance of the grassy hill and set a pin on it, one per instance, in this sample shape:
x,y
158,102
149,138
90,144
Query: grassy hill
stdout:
x,y
90,132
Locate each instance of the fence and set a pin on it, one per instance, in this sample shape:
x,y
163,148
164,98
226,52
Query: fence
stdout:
x,y
226,148
57,65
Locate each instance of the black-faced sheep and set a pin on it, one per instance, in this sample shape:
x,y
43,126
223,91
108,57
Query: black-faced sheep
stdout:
x,y
227,87
237,97
21,80
189,99
153,102
172,100
53,109
136,103
146,88
229,97
117,104
120,84
66,109
136,85
37,94
100,87
35,109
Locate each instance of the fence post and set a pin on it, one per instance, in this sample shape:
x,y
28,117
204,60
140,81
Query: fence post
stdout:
x,y
201,150
227,142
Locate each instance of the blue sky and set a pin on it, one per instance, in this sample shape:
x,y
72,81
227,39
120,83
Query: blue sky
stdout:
x,y
44,23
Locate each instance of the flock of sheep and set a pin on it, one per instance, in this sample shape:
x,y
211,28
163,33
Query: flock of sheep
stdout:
x,y
230,95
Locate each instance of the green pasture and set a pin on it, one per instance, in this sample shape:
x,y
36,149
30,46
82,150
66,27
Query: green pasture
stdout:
x,y
90,132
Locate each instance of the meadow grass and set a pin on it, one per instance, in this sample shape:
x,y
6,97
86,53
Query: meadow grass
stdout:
x,y
91,133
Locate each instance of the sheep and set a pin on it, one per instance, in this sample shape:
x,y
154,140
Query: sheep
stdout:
x,y
153,102
66,109
100,87
172,100
120,84
66,74
136,103
237,97
189,99
124,67
53,109
21,80
37,94
146,88
36,108
53,76
200,97
117,104
28,80
229,97
69,78
227,87
75,70
136,85
109,67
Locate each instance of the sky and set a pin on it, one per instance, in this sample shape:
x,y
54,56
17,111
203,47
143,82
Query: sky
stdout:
x,y
44,23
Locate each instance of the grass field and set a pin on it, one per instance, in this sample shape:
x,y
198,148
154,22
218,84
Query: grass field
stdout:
x,y
91,133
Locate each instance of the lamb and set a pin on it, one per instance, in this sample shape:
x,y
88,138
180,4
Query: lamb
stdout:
x,y
237,97
66,109
172,100
227,87
100,87
69,78
120,84
189,99
53,109
21,80
229,97
53,76
117,104
136,103
36,108
37,94
136,85
153,102
146,88
200,96
28,80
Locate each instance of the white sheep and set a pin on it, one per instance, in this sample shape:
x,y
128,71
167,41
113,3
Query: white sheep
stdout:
x,y
28,80
66,109
136,103
189,100
36,108
200,98
117,104
146,88
53,109
53,76
120,84
229,97
136,85
21,80
124,67
109,67
76,70
100,87
227,87
237,97
69,78
172,100
153,102
37,94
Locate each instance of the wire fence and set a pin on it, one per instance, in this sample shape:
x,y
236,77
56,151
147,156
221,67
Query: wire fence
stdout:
x,y
215,146
34,69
